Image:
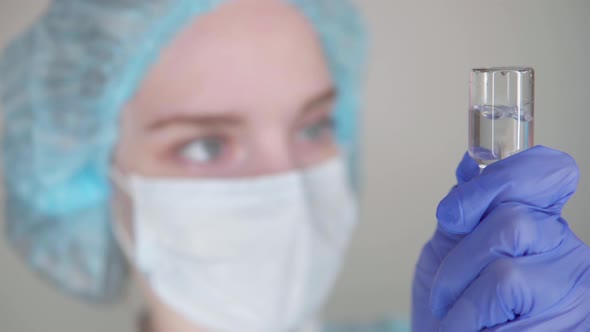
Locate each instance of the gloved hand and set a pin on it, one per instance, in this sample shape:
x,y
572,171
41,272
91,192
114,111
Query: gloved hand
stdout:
x,y
502,257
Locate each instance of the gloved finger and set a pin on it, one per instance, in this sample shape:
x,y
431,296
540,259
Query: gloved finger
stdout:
x,y
510,230
512,288
484,304
467,169
570,314
568,318
539,177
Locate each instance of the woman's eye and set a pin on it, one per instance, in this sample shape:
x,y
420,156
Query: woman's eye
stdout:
x,y
204,150
317,131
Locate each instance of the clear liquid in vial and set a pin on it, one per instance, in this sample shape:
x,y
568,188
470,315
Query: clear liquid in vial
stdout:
x,y
499,131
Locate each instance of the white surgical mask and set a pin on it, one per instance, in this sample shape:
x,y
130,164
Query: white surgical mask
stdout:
x,y
243,255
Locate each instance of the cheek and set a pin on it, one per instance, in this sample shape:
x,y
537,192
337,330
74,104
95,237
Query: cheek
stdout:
x,y
124,151
122,219
129,157
132,152
123,156
137,158
312,154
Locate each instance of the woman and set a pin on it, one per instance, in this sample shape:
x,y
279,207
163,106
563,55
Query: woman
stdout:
x,y
202,133
214,120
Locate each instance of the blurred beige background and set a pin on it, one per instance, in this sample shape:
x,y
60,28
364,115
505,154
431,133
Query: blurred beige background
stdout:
x,y
415,132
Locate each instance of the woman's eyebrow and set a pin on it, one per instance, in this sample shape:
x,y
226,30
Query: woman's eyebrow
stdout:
x,y
320,99
231,118
206,120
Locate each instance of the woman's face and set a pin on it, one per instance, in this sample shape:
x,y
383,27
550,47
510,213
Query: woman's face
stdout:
x,y
242,91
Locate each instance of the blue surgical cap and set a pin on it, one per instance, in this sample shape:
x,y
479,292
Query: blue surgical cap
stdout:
x,y
62,86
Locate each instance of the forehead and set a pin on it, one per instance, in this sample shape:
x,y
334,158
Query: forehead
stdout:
x,y
242,54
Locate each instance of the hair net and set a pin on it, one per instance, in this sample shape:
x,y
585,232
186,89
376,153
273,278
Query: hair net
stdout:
x,y
63,83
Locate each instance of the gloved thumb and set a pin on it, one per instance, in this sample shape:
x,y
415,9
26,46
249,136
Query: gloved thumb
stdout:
x,y
467,169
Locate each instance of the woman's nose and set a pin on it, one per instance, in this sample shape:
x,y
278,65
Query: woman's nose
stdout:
x,y
273,154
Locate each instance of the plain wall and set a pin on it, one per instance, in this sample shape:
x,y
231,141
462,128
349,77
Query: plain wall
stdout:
x,y
415,124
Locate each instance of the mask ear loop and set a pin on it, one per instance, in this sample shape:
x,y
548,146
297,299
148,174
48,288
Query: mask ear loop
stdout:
x,y
121,235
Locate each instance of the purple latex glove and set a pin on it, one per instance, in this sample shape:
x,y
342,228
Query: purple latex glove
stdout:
x,y
502,257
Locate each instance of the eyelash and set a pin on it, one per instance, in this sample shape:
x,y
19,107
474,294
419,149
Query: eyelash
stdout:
x,y
225,143
325,123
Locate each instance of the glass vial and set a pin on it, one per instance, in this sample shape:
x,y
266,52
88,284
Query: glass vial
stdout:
x,y
501,112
